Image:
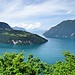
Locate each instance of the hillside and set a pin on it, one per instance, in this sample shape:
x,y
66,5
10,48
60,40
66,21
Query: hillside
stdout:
x,y
10,36
4,25
65,29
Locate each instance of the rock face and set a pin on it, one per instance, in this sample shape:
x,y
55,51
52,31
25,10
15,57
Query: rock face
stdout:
x,y
65,29
10,36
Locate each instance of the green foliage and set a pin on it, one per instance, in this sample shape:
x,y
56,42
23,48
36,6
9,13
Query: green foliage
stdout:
x,y
14,64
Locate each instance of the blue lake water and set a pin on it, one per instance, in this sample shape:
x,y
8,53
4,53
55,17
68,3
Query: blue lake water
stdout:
x,y
49,52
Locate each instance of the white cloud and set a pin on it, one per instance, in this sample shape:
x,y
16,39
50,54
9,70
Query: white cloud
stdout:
x,y
29,26
69,12
15,9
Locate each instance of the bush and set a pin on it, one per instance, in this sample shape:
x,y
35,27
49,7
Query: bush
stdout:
x,y
14,64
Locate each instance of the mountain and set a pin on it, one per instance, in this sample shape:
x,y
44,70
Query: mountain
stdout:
x,y
18,28
4,25
10,36
37,31
65,29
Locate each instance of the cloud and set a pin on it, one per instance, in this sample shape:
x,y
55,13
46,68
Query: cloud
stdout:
x,y
69,12
29,26
17,9
30,11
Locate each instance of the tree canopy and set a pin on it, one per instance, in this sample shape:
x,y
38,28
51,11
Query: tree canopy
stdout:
x,y
14,64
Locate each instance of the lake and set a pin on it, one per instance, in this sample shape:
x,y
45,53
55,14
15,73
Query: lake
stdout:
x,y
49,52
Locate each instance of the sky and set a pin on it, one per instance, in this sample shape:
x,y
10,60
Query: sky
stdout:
x,y
31,14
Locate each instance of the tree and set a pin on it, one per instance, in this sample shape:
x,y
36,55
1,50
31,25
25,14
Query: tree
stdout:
x,y
14,64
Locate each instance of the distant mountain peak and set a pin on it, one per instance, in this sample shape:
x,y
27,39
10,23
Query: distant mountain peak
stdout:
x,y
19,28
